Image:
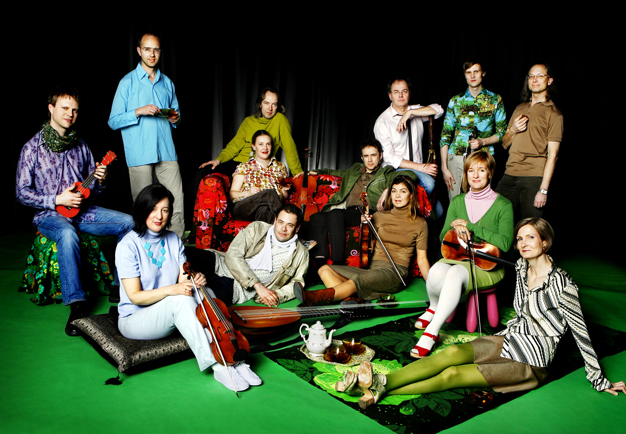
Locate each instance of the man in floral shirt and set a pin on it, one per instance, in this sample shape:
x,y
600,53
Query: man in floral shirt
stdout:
x,y
475,119
49,166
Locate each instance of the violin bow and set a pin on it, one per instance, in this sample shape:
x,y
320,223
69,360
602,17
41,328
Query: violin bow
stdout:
x,y
472,251
382,244
213,335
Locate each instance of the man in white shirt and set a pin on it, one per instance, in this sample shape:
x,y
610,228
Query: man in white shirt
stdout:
x,y
399,129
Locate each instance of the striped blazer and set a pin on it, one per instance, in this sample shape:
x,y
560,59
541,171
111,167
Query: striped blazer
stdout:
x,y
544,315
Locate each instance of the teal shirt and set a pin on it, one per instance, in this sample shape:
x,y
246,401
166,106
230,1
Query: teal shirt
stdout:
x,y
147,139
485,112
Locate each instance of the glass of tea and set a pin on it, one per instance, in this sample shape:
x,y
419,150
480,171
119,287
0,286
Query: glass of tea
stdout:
x,y
353,345
337,354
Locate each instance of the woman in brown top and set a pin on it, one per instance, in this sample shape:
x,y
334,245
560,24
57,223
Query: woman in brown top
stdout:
x,y
402,229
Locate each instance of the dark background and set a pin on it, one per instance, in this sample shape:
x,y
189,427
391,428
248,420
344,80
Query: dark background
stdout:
x,y
332,78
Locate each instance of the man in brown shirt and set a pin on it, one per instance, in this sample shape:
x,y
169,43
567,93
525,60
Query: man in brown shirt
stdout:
x,y
533,140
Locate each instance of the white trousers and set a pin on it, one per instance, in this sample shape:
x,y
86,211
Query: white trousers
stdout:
x,y
160,319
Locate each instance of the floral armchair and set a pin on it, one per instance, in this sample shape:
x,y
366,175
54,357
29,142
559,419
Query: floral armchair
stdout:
x,y
215,228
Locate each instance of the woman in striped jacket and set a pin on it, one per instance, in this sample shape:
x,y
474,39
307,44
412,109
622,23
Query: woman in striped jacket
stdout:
x,y
515,359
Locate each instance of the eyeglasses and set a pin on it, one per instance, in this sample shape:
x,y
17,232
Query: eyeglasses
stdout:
x,y
537,76
151,50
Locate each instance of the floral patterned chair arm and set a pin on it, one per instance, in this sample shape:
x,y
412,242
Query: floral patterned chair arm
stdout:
x,y
210,211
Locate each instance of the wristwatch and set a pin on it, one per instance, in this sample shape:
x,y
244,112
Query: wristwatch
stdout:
x,y
543,191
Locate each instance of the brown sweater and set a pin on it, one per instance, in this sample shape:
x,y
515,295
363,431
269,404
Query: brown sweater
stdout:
x,y
401,235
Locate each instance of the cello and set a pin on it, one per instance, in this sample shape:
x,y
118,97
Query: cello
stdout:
x,y
305,186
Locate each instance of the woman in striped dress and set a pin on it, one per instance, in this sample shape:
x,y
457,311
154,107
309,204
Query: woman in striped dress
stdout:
x,y
515,359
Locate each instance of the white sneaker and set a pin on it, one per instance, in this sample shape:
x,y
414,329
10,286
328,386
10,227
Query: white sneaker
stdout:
x,y
244,370
221,374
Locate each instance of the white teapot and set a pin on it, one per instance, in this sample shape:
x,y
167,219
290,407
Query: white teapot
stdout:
x,y
317,342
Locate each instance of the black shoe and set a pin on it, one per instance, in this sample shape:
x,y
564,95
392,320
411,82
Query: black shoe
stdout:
x,y
77,312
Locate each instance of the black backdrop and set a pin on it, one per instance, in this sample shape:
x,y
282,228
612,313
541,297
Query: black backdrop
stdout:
x,y
333,84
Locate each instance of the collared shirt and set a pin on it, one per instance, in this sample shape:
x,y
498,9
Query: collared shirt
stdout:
x,y
147,139
485,112
395,144
43,174
279,254
529,149
544,315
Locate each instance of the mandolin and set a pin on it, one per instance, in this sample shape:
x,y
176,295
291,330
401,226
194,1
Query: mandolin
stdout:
x,y
83,187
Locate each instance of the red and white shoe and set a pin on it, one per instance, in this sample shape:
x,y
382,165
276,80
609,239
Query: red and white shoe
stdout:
x,y
420,351
423,321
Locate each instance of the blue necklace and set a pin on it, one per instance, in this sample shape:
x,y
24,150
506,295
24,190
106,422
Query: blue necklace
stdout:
x,y
158,262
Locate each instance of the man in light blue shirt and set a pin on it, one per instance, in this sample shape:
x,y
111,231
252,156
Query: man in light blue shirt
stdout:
x,y
145,109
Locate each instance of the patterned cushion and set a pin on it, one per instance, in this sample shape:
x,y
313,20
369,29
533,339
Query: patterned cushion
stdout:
x,y
102,329
41,276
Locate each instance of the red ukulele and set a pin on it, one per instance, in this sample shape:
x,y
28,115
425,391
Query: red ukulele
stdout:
x,y
83,187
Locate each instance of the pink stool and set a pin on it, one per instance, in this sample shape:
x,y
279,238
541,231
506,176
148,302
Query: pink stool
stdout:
x,y
470,309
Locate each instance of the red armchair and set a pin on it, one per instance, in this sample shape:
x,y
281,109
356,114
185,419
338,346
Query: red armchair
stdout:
x,y
215,228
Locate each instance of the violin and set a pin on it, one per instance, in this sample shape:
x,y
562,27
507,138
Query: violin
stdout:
x,y
366,240
305,186
486,256
373,229
432,154
229,346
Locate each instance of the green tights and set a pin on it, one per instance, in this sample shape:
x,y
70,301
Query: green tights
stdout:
x,y
451,368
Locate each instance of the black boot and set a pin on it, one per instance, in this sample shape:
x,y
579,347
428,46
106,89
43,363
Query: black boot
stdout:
x,y
114,296
77,311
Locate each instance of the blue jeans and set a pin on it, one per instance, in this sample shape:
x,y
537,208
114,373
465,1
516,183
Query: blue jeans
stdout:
x,y
428,182
64,233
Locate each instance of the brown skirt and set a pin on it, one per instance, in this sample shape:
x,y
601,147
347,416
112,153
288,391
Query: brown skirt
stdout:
x,y
371,283
502,374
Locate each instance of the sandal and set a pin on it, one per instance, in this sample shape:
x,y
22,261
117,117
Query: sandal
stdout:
x,y
419,352
423,323
365,375
372,394
348,384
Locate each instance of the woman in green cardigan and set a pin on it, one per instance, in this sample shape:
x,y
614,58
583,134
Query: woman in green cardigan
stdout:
x,y
480,214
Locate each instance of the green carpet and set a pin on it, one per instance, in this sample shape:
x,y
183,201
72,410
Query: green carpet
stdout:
x,y
52,383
